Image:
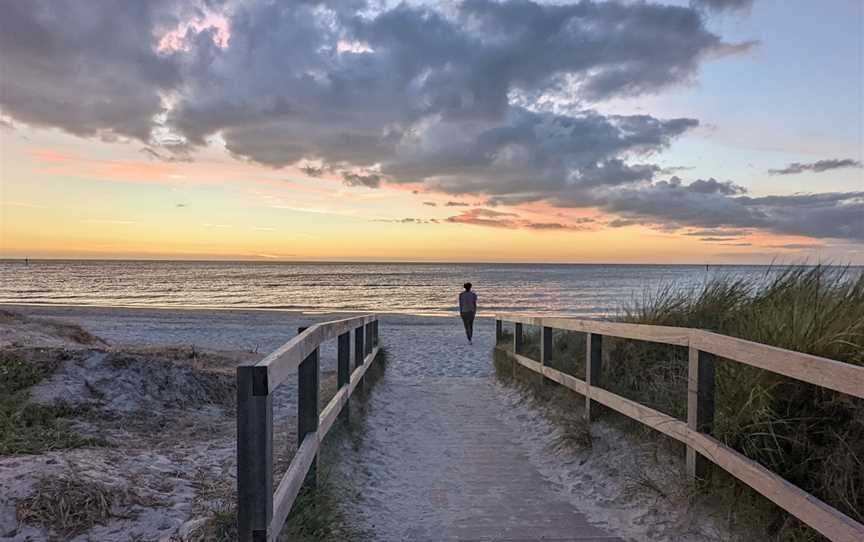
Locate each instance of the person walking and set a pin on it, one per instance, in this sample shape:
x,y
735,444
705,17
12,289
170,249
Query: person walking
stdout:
x,y
468,310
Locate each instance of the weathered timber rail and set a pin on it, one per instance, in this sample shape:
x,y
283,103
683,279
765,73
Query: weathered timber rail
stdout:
x,y
261,513
702,449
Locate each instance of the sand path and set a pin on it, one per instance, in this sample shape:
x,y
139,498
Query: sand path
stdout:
x,y
440,458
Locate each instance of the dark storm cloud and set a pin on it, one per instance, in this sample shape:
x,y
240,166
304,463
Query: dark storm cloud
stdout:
x,y
817,167
349,88
674,204
408,87
89,68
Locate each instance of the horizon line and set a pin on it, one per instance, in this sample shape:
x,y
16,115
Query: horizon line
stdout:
x,y
417,262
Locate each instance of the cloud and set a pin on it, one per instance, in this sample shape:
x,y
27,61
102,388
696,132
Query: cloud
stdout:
x,y
369,180
497,100
409,220
817,167
89,68
673,204
286,88
313,171
178,156
430,204
457,204
722,5
798,246
717,233
499,219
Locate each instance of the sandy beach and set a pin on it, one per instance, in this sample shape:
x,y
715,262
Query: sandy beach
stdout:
x,y
155,389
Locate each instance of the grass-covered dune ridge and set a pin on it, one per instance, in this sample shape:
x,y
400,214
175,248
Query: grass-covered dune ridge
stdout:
x,y
808,435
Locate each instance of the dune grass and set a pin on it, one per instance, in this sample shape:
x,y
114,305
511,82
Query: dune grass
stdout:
x,y
27,428
810,436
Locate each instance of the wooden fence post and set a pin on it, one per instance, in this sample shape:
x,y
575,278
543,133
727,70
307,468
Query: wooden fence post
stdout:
x,y
369,339
593,367
700,407
517,338
254,454
343,369
359,348
308,407
499,331
545,349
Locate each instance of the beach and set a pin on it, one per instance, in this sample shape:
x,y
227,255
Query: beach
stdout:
x,y
154,389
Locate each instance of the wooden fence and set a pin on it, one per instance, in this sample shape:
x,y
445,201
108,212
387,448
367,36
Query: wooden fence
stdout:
x,y
261,513
702,449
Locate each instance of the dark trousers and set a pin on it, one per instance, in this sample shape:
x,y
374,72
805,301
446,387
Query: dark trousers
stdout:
x,y
468,320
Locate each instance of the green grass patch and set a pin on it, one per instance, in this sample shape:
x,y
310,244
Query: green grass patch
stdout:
x,y
27,428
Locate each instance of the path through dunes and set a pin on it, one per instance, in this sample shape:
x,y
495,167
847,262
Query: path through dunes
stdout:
x,y
439,460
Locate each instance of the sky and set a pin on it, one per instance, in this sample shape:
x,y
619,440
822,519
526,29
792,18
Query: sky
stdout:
x,y
694,131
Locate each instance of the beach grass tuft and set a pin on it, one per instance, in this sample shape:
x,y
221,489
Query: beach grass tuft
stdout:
x,y
69,506
28,428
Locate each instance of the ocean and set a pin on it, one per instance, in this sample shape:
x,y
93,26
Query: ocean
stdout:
x,y
410,288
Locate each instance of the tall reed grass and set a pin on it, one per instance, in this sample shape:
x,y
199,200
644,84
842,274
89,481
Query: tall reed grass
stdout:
x,y
808,435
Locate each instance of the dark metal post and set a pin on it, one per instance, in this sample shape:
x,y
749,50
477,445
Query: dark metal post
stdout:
x,y
700,407
343,374
593,367
499,331
308,407
254,454
518,339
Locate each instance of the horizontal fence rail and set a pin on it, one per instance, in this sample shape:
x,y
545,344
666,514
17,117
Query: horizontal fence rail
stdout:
x,y
261,512
702,449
